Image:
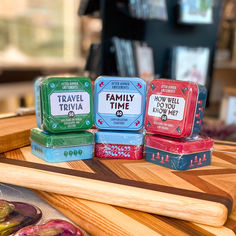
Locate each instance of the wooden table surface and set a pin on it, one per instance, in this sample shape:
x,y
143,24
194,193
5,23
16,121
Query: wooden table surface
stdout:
x,y
217,180
103,219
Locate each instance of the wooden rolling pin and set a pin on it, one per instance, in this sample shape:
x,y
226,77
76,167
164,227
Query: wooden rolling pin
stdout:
x,y
178,203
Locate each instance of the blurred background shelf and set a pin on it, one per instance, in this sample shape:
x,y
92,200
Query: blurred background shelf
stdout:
x,y
51,65
40,37
18,89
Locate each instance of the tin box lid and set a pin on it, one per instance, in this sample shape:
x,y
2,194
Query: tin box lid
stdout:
x,y
80,79
119,103
180,146
125,138
55,115
61,140
172,104
114,78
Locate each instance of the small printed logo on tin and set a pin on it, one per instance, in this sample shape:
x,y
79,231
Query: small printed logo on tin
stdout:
x,y
71,114
119,113
52,85
87,122
139,85
178,129
54,125
164,117
153,86
184,90
101,84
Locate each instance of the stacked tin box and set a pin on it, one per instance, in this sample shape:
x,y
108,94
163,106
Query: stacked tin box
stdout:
x,y
64,110
174,115
119,114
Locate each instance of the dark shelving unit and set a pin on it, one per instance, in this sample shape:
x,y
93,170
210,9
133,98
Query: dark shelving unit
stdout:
x,y
161,36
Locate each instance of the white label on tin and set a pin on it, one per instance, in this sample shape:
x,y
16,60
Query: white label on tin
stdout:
x,y
70,104
166,107
128,103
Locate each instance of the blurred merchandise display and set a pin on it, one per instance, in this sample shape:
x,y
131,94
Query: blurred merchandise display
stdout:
x,y
190,64
139,9
133,58
196,11
121,28
144,60
228,106
150,9
124,57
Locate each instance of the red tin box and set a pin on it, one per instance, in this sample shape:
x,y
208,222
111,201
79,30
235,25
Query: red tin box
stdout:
x,y
178,154
175,108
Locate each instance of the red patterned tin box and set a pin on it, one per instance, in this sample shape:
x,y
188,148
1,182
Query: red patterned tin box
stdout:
x,y
122,145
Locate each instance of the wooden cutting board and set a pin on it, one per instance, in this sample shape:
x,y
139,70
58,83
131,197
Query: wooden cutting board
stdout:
x,y
15,132
215,184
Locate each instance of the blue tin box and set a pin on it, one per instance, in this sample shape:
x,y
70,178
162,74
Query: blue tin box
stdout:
x,y
119,103
61,147
178,154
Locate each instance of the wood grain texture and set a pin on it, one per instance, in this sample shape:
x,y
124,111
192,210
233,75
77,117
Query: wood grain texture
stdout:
x,y
201,180
101,219
98,218
163,201
15,132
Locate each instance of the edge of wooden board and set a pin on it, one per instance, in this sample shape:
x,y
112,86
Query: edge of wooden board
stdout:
x,y
15,132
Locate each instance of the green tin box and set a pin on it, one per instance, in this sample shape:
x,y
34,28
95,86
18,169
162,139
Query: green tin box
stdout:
x,y
62,147
66,104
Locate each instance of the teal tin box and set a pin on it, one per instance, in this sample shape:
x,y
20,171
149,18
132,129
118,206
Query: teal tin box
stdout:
x,y
64,104
119,103
62,147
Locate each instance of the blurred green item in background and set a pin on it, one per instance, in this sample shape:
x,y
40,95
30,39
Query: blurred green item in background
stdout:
x,y
38,29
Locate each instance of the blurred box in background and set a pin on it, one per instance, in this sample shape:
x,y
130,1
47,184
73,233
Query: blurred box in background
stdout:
x,y
228,106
